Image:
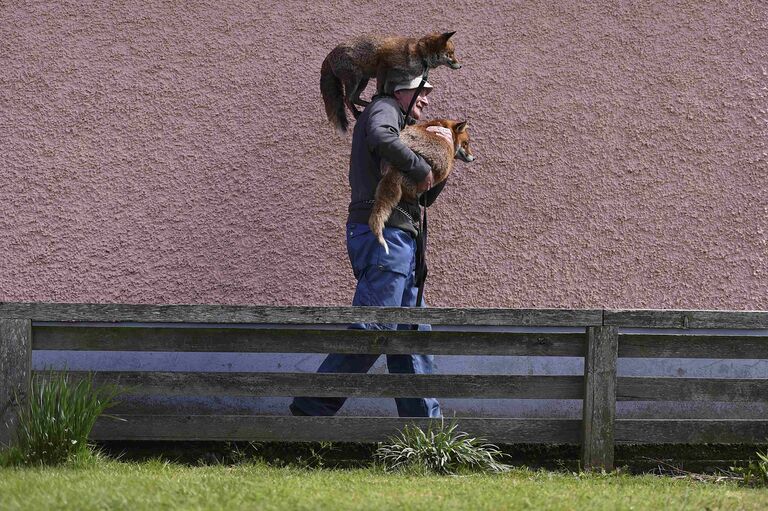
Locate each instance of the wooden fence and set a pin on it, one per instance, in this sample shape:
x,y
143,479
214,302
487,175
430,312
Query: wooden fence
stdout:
x,y
202,328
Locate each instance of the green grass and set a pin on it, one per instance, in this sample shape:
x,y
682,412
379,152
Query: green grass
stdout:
x,y
440,449
109,484
59,416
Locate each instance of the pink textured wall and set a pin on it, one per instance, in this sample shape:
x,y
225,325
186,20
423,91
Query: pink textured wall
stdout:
x,y
177,152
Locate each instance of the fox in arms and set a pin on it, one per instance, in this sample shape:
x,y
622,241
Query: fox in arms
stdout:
x,y
348,67
393,185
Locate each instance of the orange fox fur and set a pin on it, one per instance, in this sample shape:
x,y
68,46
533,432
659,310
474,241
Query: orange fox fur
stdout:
x,y
348,67
439,154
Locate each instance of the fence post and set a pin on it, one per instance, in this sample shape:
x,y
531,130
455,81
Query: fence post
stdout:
x,y
15,372
599,397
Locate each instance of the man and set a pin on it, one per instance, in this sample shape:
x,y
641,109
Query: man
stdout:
x,y
384,279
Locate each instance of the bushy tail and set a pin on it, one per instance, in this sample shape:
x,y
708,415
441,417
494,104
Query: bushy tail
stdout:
x,y
388,194
376,222
333,97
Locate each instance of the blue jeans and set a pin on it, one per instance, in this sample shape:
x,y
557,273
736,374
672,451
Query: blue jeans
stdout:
x,y
384,280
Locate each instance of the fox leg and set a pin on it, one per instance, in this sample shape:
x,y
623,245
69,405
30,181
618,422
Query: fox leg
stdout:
x,y
381,80
355,98
388,194
352,108
353,87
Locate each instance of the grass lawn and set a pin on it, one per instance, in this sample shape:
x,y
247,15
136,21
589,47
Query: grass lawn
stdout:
x,y
110,484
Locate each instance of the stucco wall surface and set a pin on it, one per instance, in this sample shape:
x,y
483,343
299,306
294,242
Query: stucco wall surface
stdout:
x,y
177,152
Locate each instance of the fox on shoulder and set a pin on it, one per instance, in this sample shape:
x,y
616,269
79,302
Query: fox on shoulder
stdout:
x,y
438,152
348,67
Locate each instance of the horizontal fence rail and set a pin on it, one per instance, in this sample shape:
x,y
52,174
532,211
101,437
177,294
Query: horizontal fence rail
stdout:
x,y
298,315
262,340
692,346
597,336
646,388
340,384
336,429
378,429
687,319
691,431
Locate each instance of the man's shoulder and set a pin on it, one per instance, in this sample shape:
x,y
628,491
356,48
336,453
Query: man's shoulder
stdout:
x,y
384,101
385,109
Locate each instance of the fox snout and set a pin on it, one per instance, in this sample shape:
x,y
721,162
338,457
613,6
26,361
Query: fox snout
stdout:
x,y
465,156
454,64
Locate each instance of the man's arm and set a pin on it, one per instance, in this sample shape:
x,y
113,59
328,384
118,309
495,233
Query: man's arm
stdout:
x,y
383,137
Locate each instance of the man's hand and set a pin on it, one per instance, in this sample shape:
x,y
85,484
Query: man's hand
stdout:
x,y
427,183
444,132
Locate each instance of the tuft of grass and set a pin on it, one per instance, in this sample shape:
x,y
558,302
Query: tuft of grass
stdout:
x,y
440,449
53,427
755,473
317,455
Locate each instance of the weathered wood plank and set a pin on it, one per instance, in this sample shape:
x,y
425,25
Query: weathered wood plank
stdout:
x,y
338,384
599,398
692,346
297,315
691,431
692,389
686,319
337,429
15,373
268,340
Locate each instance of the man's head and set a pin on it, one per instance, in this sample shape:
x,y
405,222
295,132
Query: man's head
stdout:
x,y
404,92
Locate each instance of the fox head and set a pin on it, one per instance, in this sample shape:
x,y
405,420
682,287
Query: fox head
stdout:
x,y
438,50
461,142
460,134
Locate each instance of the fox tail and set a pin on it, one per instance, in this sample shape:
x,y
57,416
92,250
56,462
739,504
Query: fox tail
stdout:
x,y
333,97
376,223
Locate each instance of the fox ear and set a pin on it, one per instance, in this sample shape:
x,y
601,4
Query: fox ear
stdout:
x,y
460,127
447,35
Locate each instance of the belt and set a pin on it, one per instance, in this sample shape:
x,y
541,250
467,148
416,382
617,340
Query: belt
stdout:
x,y
399,209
